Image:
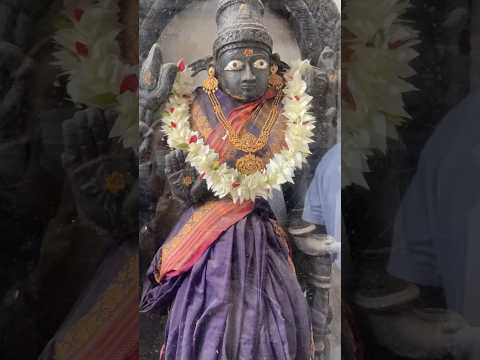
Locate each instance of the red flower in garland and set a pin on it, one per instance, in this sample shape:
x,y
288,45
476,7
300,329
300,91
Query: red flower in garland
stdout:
x,y
193,139
173,124
181,65
129,83
81,48
235,184
78,13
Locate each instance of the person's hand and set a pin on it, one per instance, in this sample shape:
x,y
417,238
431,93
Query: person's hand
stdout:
x,y
100,175
464,341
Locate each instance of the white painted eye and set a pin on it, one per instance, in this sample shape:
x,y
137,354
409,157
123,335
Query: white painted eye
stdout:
x,y
261,64
234,65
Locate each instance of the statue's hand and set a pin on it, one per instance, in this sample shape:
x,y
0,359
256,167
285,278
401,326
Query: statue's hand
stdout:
x,y
101,177
156,82
180,175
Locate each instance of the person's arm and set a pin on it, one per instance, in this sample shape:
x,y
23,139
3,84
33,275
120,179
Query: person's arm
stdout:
x,y
412,256
313,210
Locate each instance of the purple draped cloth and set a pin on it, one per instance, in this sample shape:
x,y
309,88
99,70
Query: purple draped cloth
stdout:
x,y
240,301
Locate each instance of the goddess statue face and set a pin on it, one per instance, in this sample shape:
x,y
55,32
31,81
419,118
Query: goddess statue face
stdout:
x,y
243,72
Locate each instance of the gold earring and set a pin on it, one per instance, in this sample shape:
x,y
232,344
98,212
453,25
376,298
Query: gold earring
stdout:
x,y
275,80
211,84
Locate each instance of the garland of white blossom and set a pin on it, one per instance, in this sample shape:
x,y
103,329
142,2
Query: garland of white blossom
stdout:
x,y
376,54
226,181
89,54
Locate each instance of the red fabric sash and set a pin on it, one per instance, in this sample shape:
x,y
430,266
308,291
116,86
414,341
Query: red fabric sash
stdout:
x,y
201,230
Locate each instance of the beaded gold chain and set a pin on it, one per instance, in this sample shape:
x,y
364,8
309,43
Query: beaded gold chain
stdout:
x,y
248,142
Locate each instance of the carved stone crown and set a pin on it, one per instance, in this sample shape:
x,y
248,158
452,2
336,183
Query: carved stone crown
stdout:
x,y
240,22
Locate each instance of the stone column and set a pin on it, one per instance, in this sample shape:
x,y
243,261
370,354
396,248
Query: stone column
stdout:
x,y
320,251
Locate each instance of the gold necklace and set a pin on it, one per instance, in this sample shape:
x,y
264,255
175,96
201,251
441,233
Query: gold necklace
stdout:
x,y
248,143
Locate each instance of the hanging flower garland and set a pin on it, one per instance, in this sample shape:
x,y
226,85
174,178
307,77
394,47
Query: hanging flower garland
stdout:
x,y
89,54
376,52
223,180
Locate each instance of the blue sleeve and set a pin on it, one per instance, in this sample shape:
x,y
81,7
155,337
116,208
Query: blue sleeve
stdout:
x,y
313,211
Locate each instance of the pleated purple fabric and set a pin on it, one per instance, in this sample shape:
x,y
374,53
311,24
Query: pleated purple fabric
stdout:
x,y
240,301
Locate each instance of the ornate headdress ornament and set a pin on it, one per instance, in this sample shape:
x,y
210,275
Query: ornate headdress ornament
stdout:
x,y
240,23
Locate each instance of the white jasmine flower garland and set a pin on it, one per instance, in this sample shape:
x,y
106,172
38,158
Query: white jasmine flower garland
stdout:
x,y
377,48
223,180
89,54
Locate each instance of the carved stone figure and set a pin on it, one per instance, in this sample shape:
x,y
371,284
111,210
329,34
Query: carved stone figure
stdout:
x,y
224,273
316,27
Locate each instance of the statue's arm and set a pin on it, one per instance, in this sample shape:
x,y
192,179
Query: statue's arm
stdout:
x,y
156,82
184,181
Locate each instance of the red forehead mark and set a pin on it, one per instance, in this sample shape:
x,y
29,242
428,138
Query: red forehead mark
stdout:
x,y
248,52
